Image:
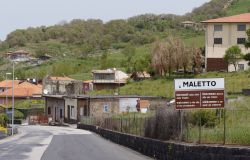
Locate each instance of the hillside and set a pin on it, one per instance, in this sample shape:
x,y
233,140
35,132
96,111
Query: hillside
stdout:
x,y
79,46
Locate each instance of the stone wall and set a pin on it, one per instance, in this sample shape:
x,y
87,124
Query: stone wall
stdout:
x,y
97,107
62,87
169,150
56,105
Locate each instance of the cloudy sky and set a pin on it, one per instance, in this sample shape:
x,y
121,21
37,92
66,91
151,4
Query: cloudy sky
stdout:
x,y
19,14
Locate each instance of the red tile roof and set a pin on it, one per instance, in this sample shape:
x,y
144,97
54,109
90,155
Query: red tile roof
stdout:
x,y
61,79
8,83
241,18
24,89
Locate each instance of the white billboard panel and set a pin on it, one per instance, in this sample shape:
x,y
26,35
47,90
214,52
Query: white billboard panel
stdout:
x,y
199,84
128,104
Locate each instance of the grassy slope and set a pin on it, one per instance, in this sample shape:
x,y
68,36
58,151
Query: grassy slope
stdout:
x,y
234,83
242,6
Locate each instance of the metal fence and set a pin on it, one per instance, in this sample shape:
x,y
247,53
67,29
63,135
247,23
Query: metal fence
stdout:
x,y
194,126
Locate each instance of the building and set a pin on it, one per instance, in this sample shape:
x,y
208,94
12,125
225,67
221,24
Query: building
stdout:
x,y
221,34
72,109
61,86
108,79
18,56
139,76
7,84
54,109
87,86
22,91
188,24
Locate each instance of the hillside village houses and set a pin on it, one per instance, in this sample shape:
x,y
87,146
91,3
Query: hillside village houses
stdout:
x,y
65,101
221,34
18,56
109,79
22,91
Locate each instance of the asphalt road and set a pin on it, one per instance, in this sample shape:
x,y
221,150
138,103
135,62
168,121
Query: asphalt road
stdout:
x,y
62,143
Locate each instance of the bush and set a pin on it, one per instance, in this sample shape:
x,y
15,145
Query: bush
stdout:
x,y
165,125
3,120
207,118
18,114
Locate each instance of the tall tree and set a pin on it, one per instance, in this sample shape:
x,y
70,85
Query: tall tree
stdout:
x,y
233,55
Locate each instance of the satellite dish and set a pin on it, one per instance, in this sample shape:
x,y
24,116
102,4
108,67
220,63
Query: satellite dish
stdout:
x,y
45,91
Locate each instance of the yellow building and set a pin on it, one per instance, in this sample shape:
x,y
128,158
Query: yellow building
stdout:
x,y
221,34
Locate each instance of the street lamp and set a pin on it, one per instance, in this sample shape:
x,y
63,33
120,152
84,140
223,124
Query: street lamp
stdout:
x,y
6,78
13,101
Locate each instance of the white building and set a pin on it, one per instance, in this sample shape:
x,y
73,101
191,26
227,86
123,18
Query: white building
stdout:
x,y
221,34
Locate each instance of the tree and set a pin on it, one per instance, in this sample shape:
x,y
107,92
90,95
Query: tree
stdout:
x,y
247,45
196,59
104,60
247,58
233,55
157,58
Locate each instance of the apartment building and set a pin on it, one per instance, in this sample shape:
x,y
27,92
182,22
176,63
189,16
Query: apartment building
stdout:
x,y
221,34
108,79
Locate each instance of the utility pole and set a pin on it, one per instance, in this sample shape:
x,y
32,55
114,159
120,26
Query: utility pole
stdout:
x,y
13,101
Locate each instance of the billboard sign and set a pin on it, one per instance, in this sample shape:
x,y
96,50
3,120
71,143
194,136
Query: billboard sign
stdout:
x,y
199,93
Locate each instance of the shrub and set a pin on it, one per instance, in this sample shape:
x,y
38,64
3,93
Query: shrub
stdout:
x,y
164,125
3,120
207,118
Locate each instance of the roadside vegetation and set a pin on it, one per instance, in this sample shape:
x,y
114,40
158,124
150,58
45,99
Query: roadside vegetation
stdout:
x,y
211,129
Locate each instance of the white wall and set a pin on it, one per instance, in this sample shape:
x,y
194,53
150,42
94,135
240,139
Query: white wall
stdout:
x,y
125,103
229,36
71,102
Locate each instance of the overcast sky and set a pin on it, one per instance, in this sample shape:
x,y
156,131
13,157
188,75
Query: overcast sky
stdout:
x,y
19,14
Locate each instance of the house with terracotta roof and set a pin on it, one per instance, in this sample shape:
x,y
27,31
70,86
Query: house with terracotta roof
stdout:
x,y
22,91
7,84
221,34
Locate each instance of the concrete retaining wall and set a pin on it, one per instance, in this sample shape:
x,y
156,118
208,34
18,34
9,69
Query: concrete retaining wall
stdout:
x,y
171,151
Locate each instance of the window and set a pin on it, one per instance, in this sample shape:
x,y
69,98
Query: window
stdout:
x,y
81,111
105,108
241,40
217,40
241,27
72,111
240,67
218,28
49,110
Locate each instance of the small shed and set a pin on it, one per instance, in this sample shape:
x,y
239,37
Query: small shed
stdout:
x,y
139,76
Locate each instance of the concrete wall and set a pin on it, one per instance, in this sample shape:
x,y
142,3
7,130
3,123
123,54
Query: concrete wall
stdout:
x,y
56,106
83,109
113,105
97,106
169,150
229,36
72,112
62,87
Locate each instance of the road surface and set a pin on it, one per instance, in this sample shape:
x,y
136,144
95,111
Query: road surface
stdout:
x,y
62,143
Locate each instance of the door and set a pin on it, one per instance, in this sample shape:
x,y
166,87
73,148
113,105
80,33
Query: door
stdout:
x,y
55,115
68,112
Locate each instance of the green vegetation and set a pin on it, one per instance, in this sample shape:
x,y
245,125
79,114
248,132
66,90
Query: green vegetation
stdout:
x,y
232,56
28,104
237,125
234,83
3,120
238,7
